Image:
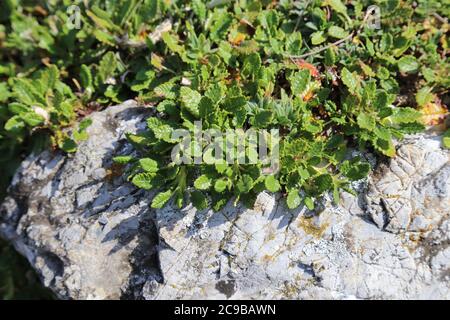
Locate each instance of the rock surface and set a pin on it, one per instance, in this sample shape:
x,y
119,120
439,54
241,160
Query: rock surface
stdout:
x,y
92,235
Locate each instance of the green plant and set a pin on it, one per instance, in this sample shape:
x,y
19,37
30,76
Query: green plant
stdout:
x,y
237,67
316,70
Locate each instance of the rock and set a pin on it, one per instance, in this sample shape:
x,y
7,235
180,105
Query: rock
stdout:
x,y
412,192
91,235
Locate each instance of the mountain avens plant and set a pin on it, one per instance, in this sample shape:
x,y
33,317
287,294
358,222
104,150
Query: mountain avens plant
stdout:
x,y
317,80
329,76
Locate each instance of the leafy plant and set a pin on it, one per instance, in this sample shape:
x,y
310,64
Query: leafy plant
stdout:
x,y
316,70
253,79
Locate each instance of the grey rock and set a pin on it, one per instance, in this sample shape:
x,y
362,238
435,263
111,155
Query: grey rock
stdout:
x,y
91,235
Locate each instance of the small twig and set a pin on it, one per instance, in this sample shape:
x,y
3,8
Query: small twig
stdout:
x,y
323,48
441,19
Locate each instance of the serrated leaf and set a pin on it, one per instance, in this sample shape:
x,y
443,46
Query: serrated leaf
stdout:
x,y
221,167
86,77
349,79
293,199
161,130
107,67
337,6
251,66
101,19
220,185
405,115
69,145
123,159
424,96
263,118
14,124
318,37
408,64
144,180
366,121
191,100
322,183
271,183
148,165
32,119
337,32
244,184
161,199
299,81
25,92
203,182
48,78
355,170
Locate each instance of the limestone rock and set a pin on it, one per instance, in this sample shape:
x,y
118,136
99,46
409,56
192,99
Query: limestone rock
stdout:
x,y
91,235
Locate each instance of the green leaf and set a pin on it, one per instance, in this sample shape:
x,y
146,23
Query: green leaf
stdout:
x,y
18,108
349,79
32,119
272,184
162,130
4,92
263,118
355,169
220,185
383,142
25,92
381,100
330,57
251,66
161,199
309,203
206,107
86,77
337,32
148,165
191,100
14,124
245,184
123,159
107,67
405,115
318,38
199,200
293,199
84,124
48,78
424,96
408,64
322,183
69,145
101,19
299,81
144,180
337,5
203,182
366,121
446,139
